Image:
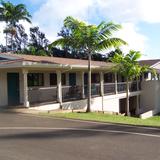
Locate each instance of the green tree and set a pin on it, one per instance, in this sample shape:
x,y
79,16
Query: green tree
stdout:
x,y
112,53
12,14
129,67
89,39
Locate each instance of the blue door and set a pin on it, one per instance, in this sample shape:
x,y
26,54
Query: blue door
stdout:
x,y
72,79
13,88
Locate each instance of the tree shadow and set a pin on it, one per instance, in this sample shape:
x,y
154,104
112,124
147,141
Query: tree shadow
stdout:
x,y
74,133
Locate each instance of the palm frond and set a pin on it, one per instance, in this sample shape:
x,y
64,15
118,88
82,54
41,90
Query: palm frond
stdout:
x,y
106,29
109,43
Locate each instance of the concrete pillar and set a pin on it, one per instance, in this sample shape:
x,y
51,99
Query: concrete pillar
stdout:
x,y
102,83
25,89
82,84
116,84
102,89
59,87
138,85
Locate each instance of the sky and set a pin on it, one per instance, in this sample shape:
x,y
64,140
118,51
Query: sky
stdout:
x,y
140,19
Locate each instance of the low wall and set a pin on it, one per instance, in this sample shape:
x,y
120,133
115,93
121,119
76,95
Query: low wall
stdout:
x,y
147,114
47,107
110,105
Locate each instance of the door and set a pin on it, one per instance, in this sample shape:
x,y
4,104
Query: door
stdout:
x,y
72,79
122,105
13,88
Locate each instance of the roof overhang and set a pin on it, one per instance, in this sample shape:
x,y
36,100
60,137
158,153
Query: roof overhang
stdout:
x,y
37,65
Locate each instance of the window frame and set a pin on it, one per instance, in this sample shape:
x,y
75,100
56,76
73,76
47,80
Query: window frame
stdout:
x,y
37,79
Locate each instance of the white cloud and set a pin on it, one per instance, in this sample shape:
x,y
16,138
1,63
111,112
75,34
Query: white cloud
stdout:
x,y
51,14
149,10
130,33
136,41
131,10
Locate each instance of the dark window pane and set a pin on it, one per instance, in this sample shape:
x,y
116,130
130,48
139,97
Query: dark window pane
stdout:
x,y
95,78
53,79
35,79
108,78
85,78
63,79
146,75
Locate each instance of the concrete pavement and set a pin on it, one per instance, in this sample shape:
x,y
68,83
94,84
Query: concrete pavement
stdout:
x,y
29,137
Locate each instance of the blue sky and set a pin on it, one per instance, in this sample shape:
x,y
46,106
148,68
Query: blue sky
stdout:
x,y
140,19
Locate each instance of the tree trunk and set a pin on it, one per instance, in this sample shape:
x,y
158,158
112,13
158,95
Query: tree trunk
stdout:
x,y
127,98
89,83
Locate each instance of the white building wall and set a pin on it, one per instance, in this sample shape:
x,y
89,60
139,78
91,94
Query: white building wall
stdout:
x,y
111,105
150,97
3,89
96,104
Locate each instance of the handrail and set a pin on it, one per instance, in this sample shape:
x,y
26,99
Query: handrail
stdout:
x,y
109,84
41,88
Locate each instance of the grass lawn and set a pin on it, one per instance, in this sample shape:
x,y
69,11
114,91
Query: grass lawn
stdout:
x,y
154,121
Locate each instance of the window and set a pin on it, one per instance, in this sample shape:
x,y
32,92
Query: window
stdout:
x,y
85,78
53,79
35,79
95,78
63,79
146,75
121,78
108,78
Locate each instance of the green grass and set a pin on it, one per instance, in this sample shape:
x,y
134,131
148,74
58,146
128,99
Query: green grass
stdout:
x,y
154,121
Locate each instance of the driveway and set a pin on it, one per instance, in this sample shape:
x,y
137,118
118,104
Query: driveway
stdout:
x,y
27,137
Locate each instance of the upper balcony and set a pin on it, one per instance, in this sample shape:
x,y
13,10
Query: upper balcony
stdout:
x,y
71,93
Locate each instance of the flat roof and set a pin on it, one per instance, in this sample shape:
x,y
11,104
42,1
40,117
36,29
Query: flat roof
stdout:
x,y
44,60
149,62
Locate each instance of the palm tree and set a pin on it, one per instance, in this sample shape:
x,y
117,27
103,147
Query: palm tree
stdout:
x,y
128,66
12,14
90,39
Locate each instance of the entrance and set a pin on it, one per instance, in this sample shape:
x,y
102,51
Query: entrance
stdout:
x,y
13,88
72,79
132,105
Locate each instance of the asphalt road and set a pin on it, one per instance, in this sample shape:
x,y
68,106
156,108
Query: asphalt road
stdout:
x,y
26,137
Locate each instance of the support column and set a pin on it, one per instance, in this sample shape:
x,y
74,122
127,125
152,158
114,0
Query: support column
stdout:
x,y
102,89
116,84
59,87
82,84
138,85
25,89
102,83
